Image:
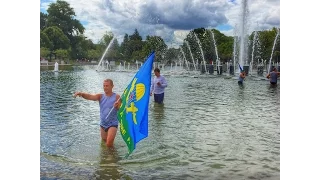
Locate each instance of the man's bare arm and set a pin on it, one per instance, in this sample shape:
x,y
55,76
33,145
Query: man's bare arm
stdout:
x,y
93,97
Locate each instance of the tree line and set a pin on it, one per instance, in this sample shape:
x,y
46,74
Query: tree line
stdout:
x,y
62,36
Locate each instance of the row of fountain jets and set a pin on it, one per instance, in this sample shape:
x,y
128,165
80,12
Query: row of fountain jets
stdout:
x,y
104,65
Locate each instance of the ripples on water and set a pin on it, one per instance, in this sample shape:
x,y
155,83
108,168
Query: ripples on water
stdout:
x,y
208,128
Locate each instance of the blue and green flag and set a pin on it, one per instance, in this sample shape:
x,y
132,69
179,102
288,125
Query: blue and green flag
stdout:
x,y
133,112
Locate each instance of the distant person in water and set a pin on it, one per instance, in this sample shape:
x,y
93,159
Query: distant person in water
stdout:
x,y
158,84
273,76
108,101
242,76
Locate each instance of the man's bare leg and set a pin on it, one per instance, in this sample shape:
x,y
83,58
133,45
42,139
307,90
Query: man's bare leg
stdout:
x,y
111,134
103,134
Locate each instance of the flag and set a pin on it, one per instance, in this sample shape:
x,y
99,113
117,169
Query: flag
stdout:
x,y
240,67
133,112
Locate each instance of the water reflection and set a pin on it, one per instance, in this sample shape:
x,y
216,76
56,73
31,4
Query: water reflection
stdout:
x,y
273,87
108,167
158,111
157,124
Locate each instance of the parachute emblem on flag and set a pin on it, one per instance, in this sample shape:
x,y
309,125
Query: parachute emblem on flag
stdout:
x,y
136,92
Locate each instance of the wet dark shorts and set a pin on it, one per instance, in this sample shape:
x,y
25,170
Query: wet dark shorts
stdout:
x,y
240,82
106,129
158,98
273,83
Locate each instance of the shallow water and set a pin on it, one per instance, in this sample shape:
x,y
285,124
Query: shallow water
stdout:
x,y
208,128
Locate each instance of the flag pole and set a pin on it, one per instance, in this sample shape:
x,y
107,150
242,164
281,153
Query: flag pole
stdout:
x,y
112,109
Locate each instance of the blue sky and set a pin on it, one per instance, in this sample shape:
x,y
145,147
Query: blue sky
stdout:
x,y
170,19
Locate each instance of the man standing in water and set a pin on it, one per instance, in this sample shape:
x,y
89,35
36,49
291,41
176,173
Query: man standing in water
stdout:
x,y
273,76
241,77
158,83
109,104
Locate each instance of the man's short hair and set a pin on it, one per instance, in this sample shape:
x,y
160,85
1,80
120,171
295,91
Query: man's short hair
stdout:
x,y
156,70
109,80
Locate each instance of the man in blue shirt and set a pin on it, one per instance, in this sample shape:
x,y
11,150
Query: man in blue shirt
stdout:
x,y
242,76
158,83
108,117
273,76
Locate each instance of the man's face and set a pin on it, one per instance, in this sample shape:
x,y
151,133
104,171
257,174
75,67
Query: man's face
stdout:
x,y
156,73
107,87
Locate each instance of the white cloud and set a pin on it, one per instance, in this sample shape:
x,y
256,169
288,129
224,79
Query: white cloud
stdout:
x,y
170,19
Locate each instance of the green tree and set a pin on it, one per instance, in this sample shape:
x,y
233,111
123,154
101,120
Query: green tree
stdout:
x,y
44,52
43,20
196,46
58,39
171,55
276,53
45,41
80,47
225,46
113,51
154,43
60,14
107,37
266,39
124,47
62,54
94,54
135,45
